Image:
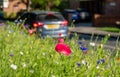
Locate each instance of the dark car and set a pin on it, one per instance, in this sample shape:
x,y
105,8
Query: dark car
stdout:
x,y
79,15
47,23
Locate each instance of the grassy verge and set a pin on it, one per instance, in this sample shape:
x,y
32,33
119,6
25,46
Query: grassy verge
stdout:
x,y
110,29
22,55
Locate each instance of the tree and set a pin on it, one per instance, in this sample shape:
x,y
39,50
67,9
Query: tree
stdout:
x,y
27,3
45,4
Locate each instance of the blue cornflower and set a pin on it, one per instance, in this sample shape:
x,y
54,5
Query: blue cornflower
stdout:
x,y
78,64
83,48
101,61
98,62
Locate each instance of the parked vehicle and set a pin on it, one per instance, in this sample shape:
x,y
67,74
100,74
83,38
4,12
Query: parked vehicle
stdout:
x,y
79,15
46,23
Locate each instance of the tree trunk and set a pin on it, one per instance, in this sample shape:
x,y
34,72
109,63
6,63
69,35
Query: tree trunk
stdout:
x,y
48,6
28,5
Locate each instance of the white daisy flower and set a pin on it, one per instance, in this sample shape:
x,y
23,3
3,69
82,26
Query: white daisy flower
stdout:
x,y
84,62
97,67
92,43
21,53
13,66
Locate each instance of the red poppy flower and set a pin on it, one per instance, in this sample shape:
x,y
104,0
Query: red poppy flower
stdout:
x,y
30,31
59,34
62,48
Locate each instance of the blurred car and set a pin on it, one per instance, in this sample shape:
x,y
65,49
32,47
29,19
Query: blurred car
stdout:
x,y
79,15
45,23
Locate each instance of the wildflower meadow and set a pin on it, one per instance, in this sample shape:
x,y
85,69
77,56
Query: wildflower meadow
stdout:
x,y
22,55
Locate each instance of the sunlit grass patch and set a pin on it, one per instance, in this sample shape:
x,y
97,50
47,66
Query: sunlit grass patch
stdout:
x,y
110,29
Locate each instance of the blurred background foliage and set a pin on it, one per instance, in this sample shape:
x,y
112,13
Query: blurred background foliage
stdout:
x,y
56,5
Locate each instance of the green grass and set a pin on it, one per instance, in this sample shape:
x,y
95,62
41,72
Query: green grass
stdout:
x,y
110,29
22,55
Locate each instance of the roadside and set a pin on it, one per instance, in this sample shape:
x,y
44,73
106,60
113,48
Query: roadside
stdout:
x,y
92,30
85,32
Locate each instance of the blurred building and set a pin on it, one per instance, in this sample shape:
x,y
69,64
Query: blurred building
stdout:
x,y
13,6
105,12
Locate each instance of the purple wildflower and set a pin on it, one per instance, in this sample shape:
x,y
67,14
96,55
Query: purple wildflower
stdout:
x,y
1,24
103,60
80,42
26,26
11,55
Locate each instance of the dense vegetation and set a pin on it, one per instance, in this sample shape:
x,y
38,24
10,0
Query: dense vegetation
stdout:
x,y
23,55
56,5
